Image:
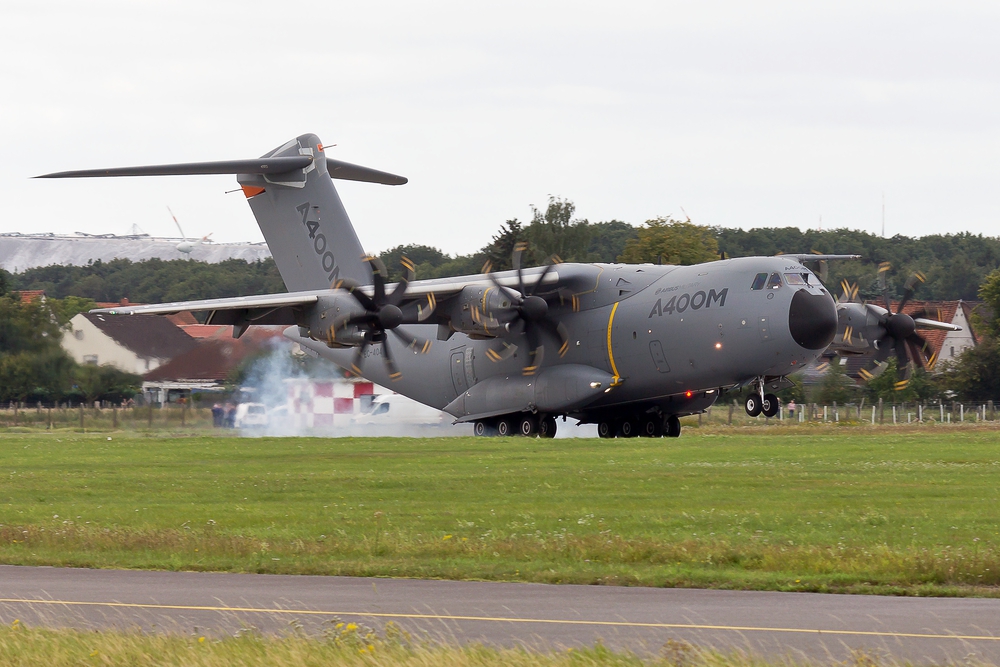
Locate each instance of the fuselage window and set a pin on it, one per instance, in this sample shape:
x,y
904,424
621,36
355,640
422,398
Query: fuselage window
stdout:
x,y
775,281
758,281
796,278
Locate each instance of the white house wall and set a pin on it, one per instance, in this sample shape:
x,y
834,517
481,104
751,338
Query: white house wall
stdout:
x,y
957,341
86,341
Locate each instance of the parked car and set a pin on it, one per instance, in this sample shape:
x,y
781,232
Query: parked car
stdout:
x,y
398,409
251,415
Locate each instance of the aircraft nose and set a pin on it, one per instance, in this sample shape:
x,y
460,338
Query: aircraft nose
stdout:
x,y
812,319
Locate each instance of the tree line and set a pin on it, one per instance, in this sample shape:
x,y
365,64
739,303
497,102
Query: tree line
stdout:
x,y
956,266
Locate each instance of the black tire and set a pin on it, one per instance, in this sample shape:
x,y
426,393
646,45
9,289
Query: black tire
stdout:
x,y
629,428
673,427
752,405
606,428
527,426
547,427
505,427
651,426
770,405
481,428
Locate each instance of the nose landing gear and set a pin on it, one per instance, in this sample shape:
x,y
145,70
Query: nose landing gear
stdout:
x,y
759,402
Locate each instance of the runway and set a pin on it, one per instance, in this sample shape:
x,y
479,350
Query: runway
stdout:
x,y
821,627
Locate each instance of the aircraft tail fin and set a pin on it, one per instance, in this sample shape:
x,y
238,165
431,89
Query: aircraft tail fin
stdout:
x,y
291,194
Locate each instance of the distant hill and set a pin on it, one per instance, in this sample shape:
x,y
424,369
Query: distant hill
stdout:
x,y
20,252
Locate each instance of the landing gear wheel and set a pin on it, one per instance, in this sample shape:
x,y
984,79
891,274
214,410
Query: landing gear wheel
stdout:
x,y
606,428
753,406
482,428
505,427
650,426
629,428
527,425
770,405
673,426
547,427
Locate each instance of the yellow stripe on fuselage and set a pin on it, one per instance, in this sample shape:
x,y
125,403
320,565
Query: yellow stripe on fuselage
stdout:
x,y
611,356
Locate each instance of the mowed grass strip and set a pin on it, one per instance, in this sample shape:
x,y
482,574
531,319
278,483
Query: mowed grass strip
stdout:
x,y
339,644
899,511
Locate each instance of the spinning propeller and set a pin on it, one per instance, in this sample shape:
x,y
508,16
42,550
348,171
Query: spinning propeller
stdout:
x,y
383,314
528,312
900,335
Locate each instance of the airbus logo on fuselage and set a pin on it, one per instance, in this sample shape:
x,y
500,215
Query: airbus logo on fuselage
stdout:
x,y
696,301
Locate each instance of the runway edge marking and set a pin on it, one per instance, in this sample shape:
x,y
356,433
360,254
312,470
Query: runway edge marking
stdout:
x,y
496,619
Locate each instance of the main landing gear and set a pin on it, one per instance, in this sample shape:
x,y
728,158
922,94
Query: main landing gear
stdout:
x,y
523,424
759,402
642,426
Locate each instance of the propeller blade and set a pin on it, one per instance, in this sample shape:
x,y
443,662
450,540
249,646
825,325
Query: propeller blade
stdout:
x,y
394,373
902,362
409,272
924,323
355,290
560,333
419,311
359,358
177,223
378,278
545,271
883,283
504,352
911,286
536,351
418,345
921,347
519,249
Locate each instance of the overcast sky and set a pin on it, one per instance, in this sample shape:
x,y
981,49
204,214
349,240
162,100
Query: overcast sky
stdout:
x,y
743,114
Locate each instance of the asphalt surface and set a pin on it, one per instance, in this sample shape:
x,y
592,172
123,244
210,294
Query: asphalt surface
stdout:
x,y
804,625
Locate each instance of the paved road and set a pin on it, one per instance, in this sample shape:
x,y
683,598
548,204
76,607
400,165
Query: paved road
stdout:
x,y
542,616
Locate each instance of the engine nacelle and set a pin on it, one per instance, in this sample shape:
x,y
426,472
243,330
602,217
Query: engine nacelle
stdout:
x,y
326,320
472,311
859,328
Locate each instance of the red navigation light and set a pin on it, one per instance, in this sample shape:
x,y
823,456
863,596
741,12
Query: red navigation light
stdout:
x,y
688,394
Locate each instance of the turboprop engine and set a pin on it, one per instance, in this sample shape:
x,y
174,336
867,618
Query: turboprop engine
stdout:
x,y
325,321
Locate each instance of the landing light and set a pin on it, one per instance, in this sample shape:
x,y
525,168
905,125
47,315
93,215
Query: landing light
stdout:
x,y
595,385
718,346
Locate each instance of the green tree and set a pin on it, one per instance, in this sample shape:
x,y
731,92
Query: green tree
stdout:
x,y
500,250
836,387
105,382
608,239
669,241
556,232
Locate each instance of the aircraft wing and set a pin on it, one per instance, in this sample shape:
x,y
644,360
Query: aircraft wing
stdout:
x,y
263,301
280,308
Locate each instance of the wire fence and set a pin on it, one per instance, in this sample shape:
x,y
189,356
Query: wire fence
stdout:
x,y
97,418
860,414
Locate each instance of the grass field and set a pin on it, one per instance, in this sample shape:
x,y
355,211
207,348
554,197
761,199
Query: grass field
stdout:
x,y
343,644
823,509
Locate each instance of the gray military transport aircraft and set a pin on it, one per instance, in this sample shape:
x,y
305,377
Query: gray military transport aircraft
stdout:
x,y
629,347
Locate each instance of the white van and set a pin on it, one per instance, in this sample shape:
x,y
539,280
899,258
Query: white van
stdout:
x,y
250,415
392,409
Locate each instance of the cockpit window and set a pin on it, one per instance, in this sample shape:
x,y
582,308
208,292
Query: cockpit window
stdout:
x,y
758,281
775,281
796,279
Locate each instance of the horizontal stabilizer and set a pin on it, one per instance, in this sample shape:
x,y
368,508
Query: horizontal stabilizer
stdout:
x,y
346,171
271,165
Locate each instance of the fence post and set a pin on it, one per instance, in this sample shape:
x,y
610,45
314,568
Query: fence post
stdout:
x,y
731,407
881,411
989,404
961,412
81,415
49,424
